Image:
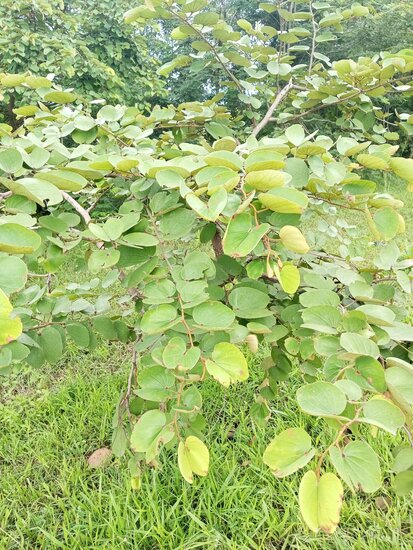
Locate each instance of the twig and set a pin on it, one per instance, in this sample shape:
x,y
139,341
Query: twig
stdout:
x,y
342,431
409,435
84,213
93,205
317,197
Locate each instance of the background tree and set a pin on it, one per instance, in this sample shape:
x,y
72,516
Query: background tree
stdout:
x,y
84,43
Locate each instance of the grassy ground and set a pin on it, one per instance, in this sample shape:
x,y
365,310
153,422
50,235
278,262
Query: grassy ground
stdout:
x,y
52,419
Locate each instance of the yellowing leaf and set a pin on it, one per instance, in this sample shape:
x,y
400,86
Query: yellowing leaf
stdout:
x,y
228,364
292,238
284,200
289,278
373,162
402,168
288,452
193,458
10,329
320,501
263,180
227,159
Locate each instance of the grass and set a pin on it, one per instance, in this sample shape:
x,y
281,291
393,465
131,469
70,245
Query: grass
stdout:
x,y
52,419
50,499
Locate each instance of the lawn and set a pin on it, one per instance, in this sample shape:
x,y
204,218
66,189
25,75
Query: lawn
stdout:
x,y
52,419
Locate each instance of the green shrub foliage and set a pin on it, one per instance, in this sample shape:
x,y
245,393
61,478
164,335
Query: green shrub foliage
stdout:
x,y
210,256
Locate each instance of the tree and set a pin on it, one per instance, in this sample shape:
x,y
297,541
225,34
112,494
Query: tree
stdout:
x,y
333,322
84,43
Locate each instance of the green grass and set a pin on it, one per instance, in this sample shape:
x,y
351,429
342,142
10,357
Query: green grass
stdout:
x,y
52,419
50,499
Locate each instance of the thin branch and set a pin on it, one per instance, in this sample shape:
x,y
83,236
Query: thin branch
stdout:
x,y
328,201
282,94
409,435
313,41
211,45
344,99
84,213
94,204
5,195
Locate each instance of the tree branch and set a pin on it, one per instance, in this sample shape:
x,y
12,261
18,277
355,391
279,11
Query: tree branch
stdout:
x,y
344,99
211,45
84,213
282,94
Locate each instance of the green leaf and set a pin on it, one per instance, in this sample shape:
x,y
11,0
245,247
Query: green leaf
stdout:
x,y
400,384
224,158
213,209
243,235
105,327
401,332
387,222
378,315
321,297
295,134
403,460
36,190
51,344
372,371
103,259
193,458
11,161
384,414
139,239
288,452
358,465
402,483
154,383
17,239
60,97
159,319
264,159
323,318
320,501
13,274
249,303
227,365
356,344
63,179
147,432
169,179
213,315
79,333
176,355
321,399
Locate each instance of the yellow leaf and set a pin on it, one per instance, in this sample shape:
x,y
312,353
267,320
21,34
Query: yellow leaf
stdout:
x,y
193,458
292,238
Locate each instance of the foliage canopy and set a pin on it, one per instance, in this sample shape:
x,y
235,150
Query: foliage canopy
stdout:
x,y
255,277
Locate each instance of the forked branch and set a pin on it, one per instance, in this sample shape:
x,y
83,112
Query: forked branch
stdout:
x,y
282,94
